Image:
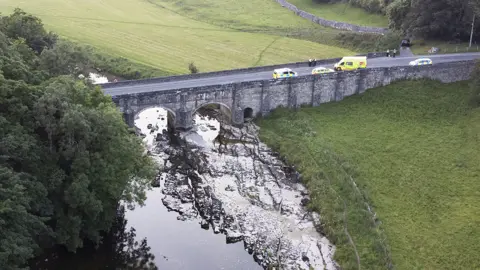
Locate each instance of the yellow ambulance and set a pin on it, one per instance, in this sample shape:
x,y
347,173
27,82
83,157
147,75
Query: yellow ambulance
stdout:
x,y
351,63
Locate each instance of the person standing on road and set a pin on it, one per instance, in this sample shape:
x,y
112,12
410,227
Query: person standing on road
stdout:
x,y
310,62
388,53
394,52
314,62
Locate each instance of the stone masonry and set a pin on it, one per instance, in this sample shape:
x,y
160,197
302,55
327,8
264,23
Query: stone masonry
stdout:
x,y
266,95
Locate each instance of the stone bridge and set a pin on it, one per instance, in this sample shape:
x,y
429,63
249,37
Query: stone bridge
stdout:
x,y
258,98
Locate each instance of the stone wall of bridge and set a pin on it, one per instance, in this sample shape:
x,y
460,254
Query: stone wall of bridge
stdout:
x,y
266,95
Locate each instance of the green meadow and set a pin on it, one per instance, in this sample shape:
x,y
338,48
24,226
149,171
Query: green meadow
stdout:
x,y
166,35
342,12
413,150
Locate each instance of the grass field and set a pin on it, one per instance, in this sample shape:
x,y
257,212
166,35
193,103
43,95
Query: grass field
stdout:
x,y
163,34
342,13
422,47
413,149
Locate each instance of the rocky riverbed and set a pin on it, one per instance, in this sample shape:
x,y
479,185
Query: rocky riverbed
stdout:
x,y
232,183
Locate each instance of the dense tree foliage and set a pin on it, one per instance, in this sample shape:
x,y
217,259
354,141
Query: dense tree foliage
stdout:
x,y
66,156
374,6
439,19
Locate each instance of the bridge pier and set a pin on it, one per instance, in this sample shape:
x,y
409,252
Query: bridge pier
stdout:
x,y
183,120
237,117
129,118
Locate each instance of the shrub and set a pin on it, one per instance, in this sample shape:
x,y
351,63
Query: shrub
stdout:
x,y
193,69
391,40
361,42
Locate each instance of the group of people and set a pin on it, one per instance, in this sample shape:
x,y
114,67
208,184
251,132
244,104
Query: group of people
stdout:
x,y
391,53
312,62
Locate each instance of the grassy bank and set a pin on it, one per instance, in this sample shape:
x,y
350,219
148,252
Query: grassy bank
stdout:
x,y
169,35
413,150
341,12
422,47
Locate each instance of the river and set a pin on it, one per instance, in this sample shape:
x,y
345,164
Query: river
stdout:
x,y
219,178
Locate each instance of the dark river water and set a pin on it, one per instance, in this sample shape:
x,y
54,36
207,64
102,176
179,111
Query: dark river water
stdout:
x,y
174,244
183,243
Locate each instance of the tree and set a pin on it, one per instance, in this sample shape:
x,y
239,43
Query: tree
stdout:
x,y
64,58
66,156
23,25
96,160
17,223
433,19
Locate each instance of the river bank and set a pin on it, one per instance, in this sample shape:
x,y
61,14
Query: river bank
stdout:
x,y
395,169
236,185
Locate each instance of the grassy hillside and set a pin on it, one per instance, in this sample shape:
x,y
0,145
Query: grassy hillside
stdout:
x,y
413,149
342,13
160,34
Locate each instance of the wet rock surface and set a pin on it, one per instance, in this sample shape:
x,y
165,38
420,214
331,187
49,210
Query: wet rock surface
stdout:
x,y
237,186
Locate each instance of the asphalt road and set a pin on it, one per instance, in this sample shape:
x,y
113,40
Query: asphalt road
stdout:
x,y
265,75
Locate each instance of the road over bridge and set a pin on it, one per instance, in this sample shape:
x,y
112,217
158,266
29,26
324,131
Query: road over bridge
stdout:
x,y
267,75
247,94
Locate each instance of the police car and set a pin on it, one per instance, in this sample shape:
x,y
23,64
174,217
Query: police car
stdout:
x,y
284,73
321,70
421,62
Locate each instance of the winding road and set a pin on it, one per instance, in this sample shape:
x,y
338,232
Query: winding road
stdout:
x,y
266,75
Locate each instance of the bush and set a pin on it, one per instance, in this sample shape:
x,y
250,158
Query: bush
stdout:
x,y
361,42
420,42
369,42
193,69
391,40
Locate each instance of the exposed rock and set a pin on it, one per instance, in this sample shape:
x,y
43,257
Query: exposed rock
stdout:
x,y
237,186
244,192
229,188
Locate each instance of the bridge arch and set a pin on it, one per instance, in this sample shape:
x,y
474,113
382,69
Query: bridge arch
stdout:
x,y
144,108
212,108
247,113
170,116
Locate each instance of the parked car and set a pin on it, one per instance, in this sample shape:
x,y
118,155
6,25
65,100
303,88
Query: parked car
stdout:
x,y
284,73
421,62
405,43
433,50
321,70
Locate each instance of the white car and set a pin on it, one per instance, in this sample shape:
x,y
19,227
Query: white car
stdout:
x,y
284,73
321,70
421,62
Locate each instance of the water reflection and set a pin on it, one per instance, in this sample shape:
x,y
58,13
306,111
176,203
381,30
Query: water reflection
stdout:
x,y
182,244
179,245
150,237
120,249
129,253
